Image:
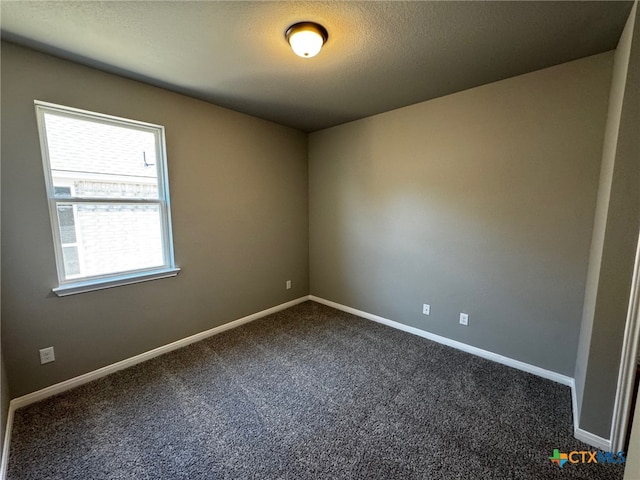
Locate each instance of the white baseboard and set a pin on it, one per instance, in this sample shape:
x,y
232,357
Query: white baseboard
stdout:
x,y
582,435
510,362
7,439
143,357
109,369
592,439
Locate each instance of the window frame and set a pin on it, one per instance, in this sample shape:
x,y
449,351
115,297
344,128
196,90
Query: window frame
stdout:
x,y
69,286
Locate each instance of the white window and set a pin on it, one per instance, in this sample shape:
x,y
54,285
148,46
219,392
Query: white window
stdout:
x,y
108,195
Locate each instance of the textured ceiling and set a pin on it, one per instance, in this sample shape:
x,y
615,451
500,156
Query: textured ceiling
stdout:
x,y
379,56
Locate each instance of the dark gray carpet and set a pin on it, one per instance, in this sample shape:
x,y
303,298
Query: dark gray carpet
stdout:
x,y
307,393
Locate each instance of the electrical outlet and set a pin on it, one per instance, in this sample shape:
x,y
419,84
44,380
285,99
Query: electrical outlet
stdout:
x,y
288,284
464,319
47,355
426,309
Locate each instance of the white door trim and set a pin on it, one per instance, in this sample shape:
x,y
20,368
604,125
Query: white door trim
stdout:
x,y
628,362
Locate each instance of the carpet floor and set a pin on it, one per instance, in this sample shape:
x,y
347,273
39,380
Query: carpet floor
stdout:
x,y
306,393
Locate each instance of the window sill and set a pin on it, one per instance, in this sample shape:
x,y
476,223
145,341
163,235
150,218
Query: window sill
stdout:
x,y
101,284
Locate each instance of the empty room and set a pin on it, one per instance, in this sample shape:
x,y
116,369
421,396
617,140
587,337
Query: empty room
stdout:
x,y
320,240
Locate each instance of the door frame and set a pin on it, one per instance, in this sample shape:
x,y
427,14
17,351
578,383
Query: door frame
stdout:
x,y
628,362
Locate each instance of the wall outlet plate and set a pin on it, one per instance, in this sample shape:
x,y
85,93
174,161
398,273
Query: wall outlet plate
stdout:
x,y
464,319
426,309
288,284
47,355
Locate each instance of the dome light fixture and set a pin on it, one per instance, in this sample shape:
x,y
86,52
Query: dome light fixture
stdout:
x,y
306,38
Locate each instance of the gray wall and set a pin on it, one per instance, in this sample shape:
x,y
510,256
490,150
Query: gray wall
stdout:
x,y
239,194
615,236
479,202
616,95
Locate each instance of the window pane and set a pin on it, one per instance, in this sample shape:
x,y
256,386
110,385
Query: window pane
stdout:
x,y
67,224
62,191
118,237
102,160
71,261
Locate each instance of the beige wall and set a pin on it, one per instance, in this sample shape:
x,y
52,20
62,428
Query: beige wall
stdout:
x,y
615,236
478,202
240,224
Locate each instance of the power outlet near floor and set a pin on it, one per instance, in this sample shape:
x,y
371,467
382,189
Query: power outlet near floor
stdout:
x,y
288,285
464,319
47,355
426,309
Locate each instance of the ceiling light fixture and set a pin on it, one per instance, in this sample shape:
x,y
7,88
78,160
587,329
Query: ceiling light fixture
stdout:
x,y
306,38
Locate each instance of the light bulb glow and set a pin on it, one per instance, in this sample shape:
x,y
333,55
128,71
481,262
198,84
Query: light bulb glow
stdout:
x,y
306,38
306,43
